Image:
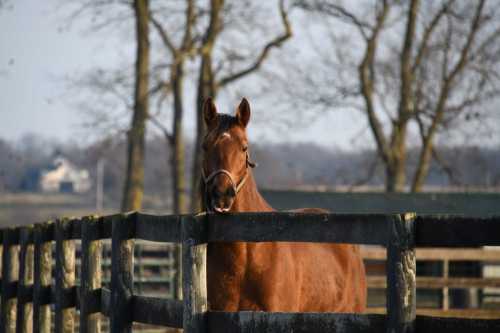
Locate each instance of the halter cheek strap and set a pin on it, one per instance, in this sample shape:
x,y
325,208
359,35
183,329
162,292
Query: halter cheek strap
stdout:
x,y
236,186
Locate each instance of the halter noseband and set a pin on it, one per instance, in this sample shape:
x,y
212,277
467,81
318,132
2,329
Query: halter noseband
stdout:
x,y
236,186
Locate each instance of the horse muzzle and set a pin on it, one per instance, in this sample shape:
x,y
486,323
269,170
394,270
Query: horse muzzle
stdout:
x,y
221,202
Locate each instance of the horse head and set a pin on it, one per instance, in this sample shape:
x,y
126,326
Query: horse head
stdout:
x,y
226,162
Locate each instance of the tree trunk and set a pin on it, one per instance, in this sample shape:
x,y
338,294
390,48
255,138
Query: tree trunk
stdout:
x,y
134,181
206,88
396,165
177,157
423,168
396,168
425,157
395,172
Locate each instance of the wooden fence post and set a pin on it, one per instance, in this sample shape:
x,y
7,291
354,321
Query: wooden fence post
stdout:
x,y
90,274
446,290
1,270
10,273
65,277
24,308
177,280
43,275
122,272
401,275
194,275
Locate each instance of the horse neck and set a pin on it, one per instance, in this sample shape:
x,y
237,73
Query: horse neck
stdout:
x,y
249,199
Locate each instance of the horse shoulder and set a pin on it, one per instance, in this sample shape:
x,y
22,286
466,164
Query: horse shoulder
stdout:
x,y
226,269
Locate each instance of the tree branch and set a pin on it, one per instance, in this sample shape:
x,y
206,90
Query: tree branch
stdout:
x,y
339,12
424,44
367,84
163,34
475,26
162,85
276,42
448,170
168,136
491,39
480,97
427,138
372,169
187,40
406,74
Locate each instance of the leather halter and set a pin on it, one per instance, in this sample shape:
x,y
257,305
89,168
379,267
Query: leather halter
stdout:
x,y
236,186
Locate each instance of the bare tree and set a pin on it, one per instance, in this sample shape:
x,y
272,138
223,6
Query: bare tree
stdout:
x,y
175,86
443,66
191,42
468,76
134,181
209,83
113,89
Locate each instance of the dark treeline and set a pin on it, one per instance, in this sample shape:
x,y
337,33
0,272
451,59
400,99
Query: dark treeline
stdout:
x,y
304,165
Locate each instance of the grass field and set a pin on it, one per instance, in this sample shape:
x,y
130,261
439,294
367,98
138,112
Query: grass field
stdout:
x,y
27,208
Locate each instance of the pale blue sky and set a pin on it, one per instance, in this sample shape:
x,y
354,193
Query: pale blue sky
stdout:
x,y
36,54
38,49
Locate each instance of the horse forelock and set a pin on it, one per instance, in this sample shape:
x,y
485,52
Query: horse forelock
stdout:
x,y
225,123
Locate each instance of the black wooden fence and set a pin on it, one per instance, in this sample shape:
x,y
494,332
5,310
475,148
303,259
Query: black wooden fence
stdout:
x,y
27,289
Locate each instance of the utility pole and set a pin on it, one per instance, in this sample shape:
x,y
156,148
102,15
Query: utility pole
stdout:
x,y
99,195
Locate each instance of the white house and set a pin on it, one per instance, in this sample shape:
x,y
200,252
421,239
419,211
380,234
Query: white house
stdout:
x,y
65,177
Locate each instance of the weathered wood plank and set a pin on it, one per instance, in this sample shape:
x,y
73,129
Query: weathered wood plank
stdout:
x,y
438,254
194,275
177,278
90,280
10,274
24,309
1,265
122,273
94,301
106,225
459,203
453,231
105,302
250,322
75,229
450,313
457,325
42,270
401,275
158,228
46,231
69,297
428,282
25,293
64,277
298,227
158,311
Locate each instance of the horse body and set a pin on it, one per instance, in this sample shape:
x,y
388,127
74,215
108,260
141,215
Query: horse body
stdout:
x,y
274,276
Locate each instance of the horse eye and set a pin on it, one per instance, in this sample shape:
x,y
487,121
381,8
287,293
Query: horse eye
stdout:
x,y
245,148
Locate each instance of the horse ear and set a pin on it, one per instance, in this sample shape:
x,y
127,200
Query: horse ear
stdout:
x,y
209,112
243,112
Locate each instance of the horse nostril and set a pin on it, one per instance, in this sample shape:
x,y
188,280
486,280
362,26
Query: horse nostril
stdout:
x,y
217,194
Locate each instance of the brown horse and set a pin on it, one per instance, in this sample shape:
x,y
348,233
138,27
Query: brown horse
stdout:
x,y
284,277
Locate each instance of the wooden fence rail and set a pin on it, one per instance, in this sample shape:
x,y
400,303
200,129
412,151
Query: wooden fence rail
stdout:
x,y
22,291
